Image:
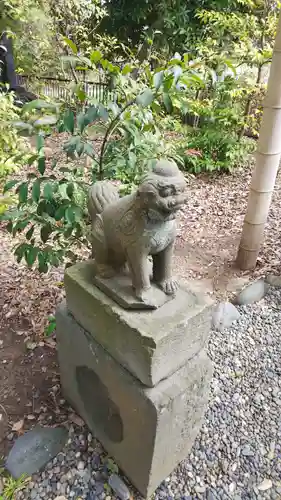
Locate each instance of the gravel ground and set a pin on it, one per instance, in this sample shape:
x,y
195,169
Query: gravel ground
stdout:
x,y
238,452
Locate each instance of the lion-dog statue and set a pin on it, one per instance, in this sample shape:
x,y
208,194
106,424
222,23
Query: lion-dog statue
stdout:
x,y
129,229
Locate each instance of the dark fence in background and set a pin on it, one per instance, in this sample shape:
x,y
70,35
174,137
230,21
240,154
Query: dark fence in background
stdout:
x,y
58,88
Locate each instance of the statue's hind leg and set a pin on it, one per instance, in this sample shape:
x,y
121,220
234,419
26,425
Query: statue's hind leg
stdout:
x,y
100,253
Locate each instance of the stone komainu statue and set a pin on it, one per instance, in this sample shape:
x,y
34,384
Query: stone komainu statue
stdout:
x,y
127,230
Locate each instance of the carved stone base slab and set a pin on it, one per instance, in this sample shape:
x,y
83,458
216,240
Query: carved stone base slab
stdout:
x,y
119,288
147,431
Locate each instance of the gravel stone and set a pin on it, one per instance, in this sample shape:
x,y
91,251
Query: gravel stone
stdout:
x,y
236,454
119,487
224,315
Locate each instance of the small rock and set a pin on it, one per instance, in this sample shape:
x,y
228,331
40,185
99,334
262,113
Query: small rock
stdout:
x,y
224,315
252,293
81,465
60,498
119,487
273,280
200,489
265,485
247,451
34,449
232,487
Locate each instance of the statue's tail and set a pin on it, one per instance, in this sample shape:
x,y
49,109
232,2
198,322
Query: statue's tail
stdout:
x,y
101,194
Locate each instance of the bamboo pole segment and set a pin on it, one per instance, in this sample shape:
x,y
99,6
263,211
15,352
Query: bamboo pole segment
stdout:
x,y
268,157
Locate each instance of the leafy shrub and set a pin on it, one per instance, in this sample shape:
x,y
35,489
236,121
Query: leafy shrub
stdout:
x,y
209,150
13,148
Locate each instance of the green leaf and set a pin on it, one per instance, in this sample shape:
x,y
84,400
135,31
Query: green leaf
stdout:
x,y
32,159
168,103
92,114
70,146
81,122
22,191
70,189
35,193
31,255
20,251
80,148
128,68
89,150
103,113
158,79
80,94
29,233
22,126
42,261
9,227
48,191
95,56
38,104
39,142
9,185
68,121
54,259
50,328
168,82
42,164
59,214
20,225
145,98
45,232
71,45
70,215
46,120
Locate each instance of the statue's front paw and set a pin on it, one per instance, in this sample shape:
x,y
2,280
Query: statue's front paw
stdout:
x,y
145,296
169,286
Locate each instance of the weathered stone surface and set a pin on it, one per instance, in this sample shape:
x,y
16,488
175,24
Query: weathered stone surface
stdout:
x,y
150,344
224,315
146,430
119,487
252,293
273,280
120,289
34,449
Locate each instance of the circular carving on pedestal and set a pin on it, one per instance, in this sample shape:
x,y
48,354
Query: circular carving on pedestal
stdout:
x,y
101,410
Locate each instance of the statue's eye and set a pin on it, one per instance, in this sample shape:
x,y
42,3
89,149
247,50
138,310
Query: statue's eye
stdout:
x,y
165,192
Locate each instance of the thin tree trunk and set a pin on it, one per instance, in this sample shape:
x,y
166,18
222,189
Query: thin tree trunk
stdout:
x,y
248,104
267,161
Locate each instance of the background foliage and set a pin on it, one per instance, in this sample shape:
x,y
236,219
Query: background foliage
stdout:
x,y
187,80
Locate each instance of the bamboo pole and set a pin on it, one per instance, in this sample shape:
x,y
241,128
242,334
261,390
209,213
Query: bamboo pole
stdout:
x,y
268,156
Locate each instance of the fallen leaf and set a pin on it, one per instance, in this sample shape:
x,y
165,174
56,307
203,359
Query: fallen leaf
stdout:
x,y
18,426
50,343
31,345
265,485
75,419
31,417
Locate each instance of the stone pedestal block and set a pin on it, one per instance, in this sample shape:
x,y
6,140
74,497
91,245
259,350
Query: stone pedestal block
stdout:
x,y
150,344
148,431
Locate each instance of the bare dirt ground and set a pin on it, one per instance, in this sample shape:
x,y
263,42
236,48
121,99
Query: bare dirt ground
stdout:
x,y
210,228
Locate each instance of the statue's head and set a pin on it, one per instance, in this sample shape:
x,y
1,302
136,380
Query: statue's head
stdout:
x,y
162,191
